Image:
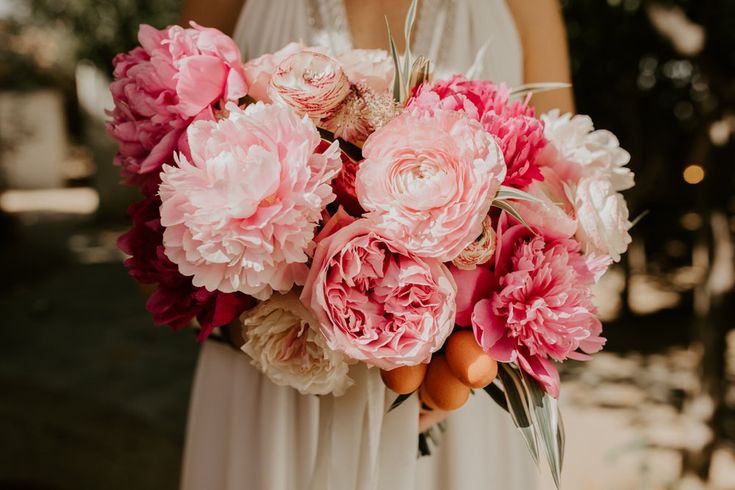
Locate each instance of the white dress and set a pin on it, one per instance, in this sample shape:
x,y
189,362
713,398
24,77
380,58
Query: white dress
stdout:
x,y
245,433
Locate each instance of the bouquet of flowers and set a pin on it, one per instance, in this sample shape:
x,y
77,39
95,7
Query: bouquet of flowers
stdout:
x,y
349,209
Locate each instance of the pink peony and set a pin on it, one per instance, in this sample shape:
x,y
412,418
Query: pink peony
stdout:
x,y
519,134
376,301
371,67
310,82
533,305
175,301
258,72
428,181
175,76
241,215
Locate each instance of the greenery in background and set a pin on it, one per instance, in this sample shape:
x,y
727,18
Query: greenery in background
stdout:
x,y
41,40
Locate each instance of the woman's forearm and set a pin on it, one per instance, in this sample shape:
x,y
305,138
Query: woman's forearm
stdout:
x,y
221,14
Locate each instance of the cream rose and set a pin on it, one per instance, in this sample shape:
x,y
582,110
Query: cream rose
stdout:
x,y
312,83
283,339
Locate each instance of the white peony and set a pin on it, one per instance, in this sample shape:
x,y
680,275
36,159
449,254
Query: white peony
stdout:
x,y
577,150
283,339
602,218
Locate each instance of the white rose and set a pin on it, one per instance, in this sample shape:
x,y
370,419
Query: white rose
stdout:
x,y
602,218
596,153
283,339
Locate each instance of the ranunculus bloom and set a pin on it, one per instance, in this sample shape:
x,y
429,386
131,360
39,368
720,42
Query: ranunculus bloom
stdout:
x,y
174,77
175,301
602,215
310,82
376,301
577,150
283,339
428,181
372,67
533,304
258,72
519,134
241,215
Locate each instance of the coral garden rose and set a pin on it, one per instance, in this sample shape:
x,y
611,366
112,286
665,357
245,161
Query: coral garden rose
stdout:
x,y
283,339
310,82
533,304
175,301
519,134
602,216
174,77
241,215
376,301
577,150
258,71
428,181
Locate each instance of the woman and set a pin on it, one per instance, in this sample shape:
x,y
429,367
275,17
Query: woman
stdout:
x,y
246,433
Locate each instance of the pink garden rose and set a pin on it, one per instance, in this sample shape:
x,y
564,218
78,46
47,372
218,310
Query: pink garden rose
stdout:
x,y
241,215
310,82
533,304
376,301
372,67
175,301
174,77
428,181
258,72
519,134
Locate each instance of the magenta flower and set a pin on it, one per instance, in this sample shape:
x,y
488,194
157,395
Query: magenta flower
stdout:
x,y
376,301
519,134
533,305
175,301
173,78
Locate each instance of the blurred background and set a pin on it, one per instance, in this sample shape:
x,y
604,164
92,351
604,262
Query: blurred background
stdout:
x,y
94,396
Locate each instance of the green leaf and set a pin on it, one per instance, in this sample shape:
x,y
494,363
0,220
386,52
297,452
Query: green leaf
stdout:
x,y
638,218
506,193
508,208
519,406
529,88
496,393
397,79
399,401
407,28
548,425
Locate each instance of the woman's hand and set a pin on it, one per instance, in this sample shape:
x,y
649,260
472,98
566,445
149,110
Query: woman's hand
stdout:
x,y
221,15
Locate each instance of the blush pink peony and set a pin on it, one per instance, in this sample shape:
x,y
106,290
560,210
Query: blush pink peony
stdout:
x,y
533,305
519,134
376,301
175,301
241,215
427,181
311,83
175,76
